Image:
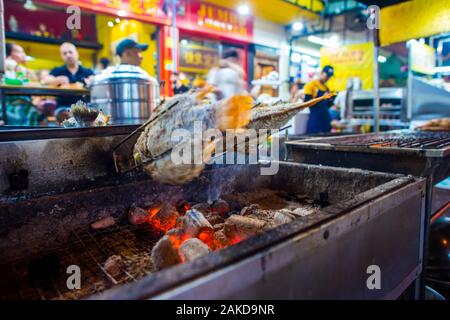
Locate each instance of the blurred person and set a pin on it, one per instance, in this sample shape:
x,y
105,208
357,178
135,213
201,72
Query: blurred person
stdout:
x,y
102,65
319,116
297,92
43,74
178,85
130,52
46,105
15,63
19,109
228,78
70,73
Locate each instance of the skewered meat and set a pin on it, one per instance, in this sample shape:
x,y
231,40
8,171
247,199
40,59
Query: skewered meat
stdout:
x,y
114,265
103,223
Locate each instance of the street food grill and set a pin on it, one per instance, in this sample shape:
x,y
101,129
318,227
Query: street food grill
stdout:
x,y
108,227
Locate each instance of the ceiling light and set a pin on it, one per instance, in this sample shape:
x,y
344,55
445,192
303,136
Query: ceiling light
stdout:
x,y
117,20
110,24
184,42
244,9
296,57
331,43
382,59
297,26
29,5
442,69
122,13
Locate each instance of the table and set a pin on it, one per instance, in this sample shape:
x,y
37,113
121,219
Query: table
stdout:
x,y
36,90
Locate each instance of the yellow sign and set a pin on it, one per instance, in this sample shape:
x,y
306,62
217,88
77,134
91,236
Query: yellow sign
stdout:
x,y
350,61
422,58
414,19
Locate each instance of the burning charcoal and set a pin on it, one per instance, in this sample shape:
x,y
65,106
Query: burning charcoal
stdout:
x,y
138,216
180,222
164,254
165,219
103,223
251,209
202,207
238,226
283,216
114,265
214,219
222,241
183,206
220,207
195,223
192,249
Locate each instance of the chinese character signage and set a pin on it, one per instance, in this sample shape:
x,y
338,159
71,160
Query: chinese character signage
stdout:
x,y
144,10
350,61
199,17
197,59
217,21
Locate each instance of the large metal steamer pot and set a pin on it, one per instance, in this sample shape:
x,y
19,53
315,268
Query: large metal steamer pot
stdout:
x,y
125,92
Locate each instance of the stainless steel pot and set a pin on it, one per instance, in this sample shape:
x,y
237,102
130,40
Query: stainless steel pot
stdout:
x,y
125,92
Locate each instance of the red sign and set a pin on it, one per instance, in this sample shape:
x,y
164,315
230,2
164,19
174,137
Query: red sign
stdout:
x,y
144,10
215,21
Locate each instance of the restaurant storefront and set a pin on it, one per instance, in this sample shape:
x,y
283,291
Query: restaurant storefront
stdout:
x,y
103,25
206,31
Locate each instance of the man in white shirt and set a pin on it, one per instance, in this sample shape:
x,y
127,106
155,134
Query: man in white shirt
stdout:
x,y
228,78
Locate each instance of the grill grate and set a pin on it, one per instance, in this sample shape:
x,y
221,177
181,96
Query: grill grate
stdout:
x,y
422,140
45,278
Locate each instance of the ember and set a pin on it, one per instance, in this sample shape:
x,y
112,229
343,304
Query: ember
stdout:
x,y
192,231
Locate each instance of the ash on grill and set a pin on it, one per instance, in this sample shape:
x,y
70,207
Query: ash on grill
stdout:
x,y
153,238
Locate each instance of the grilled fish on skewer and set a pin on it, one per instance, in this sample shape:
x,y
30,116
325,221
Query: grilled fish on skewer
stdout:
x,y
154,146
277,115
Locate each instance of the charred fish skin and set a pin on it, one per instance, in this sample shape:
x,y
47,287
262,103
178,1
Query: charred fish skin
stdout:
x,y
188,111
275,116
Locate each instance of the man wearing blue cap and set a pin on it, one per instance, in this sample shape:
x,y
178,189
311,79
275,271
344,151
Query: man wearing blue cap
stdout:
x,y
130,52
319,117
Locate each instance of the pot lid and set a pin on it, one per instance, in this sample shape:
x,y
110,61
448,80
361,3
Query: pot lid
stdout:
x,y
122,71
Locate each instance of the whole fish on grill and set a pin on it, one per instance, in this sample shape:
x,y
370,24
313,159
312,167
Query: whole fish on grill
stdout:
x,y
153,149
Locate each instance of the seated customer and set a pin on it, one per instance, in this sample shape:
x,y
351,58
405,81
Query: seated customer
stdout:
x,y
19,109
69,73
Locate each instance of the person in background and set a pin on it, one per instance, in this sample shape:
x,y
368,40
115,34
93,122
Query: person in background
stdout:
x,y
70,73
130,52
15,63
296,91
178,85
102,65
228,78
319,117
19,109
